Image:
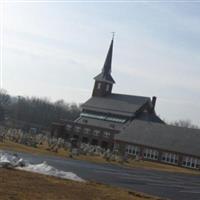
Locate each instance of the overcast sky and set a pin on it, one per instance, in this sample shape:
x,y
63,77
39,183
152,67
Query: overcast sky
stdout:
x,y
54,49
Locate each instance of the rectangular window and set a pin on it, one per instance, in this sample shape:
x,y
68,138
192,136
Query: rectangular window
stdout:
x,y
133,150
86,130
68,127
169,158
106,134
150,154
190,162
98,86
96,132
107,87
77,129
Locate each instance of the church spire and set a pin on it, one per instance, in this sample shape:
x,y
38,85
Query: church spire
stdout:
x,y
104,81
105,75
108,62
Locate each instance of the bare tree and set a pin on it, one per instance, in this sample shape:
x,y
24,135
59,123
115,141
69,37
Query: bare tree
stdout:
x,y
40,110
184,123
4,97
4,102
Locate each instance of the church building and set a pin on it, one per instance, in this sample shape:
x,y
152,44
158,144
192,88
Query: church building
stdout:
x,y
129,123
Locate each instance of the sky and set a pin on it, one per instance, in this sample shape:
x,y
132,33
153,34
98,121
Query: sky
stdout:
x,y
54,49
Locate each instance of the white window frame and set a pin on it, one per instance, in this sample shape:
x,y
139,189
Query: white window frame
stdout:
x,y
106,134
86,130
98,86
96,132
77,129
107,87
132,150
190,162
151,154
68,127
171,158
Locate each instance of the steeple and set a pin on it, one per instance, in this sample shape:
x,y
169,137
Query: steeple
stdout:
x,y
104,80
105,75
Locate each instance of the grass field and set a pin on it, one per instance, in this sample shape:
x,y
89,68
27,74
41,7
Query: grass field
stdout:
x,y
7,145
20,185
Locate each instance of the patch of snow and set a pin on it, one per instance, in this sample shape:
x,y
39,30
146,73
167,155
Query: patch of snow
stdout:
x,y
44,168
9,160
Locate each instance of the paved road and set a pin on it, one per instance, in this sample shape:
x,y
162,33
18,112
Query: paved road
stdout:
x,y
167,185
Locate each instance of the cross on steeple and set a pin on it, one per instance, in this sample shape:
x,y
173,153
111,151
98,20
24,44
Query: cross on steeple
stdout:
x,y
113,35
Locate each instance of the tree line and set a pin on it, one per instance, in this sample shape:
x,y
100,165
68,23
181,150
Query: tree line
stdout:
x,y
43,112
184,123
36,110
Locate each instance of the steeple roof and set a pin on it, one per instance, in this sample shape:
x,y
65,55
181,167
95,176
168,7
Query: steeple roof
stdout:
x,y
105,75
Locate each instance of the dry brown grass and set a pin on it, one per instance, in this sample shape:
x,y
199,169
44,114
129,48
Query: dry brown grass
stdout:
x,y
8,145
97,159
19,185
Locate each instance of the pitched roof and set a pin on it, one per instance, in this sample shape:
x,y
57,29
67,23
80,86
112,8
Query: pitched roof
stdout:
x,y
104,78
105,75
125,105
151,117
161,136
